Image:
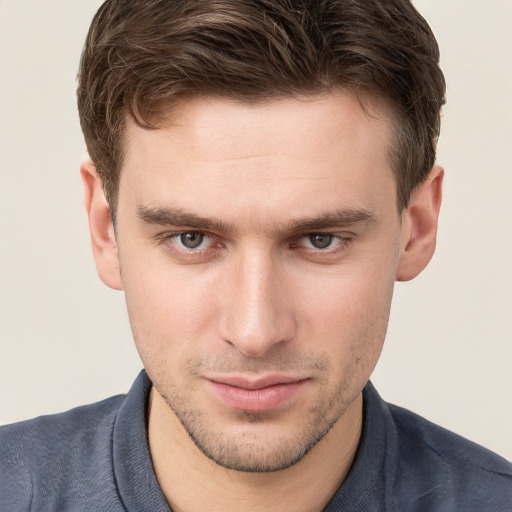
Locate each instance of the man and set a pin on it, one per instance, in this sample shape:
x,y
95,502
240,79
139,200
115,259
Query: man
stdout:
x,y
261,173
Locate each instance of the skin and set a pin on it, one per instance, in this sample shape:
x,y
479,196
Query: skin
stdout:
x,y
293,207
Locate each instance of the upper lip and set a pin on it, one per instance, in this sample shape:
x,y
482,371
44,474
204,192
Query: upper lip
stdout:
x,y
255,383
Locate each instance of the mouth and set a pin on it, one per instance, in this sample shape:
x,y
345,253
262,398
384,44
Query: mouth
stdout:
x,y
256,395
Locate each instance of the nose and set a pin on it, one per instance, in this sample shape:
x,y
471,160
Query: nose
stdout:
x,y
257,313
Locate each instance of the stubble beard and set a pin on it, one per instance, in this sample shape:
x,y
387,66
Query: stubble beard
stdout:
x,y
247,451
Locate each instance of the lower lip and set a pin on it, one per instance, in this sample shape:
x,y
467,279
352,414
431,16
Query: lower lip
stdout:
x,y
256,400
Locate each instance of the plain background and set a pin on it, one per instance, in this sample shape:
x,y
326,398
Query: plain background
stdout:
x,y
65,338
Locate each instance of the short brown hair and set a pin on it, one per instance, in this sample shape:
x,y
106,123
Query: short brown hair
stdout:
x,y
144,56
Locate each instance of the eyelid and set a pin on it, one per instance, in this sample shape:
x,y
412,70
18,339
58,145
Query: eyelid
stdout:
x,y
337,236
343,241
168,238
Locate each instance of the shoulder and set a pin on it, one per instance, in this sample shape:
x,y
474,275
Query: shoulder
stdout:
x,y
27,440
55,455
438,466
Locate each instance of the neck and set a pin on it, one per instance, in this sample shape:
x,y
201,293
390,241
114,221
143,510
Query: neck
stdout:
x,y
189,480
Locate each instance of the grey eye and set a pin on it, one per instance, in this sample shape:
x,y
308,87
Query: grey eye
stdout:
x,y
320,240
191,240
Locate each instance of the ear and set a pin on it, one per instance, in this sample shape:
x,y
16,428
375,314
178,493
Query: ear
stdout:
x,y
419,226
101,228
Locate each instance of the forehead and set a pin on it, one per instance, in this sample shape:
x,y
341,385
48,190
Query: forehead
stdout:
x,y
318,114
276,152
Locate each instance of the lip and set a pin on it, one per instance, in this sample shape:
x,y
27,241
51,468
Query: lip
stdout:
x,y
256,395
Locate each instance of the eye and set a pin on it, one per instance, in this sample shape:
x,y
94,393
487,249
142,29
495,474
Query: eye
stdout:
x,y
321,240
191,240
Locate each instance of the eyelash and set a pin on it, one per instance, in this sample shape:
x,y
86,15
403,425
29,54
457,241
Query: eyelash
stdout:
x,y
342,239
168,239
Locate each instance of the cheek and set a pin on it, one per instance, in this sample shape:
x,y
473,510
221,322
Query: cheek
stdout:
x,y
169,308
347,296
347,316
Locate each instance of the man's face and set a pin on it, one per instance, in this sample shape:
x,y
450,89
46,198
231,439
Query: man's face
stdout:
x,y
258,248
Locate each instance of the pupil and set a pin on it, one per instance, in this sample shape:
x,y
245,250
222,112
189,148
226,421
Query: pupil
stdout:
x,y
191,240
321,241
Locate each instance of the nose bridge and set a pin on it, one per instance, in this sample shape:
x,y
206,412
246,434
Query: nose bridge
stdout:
x,y
256,315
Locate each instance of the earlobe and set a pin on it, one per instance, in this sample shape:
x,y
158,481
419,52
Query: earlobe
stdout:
x,y
419,226
101,228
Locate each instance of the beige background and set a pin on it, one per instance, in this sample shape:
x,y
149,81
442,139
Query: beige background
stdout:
x,y
64,337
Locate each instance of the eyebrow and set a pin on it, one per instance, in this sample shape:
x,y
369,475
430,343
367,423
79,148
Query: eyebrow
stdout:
x,y
170,217
177,217
337,219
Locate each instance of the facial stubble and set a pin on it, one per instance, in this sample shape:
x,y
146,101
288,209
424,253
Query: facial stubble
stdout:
x,y
249,450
